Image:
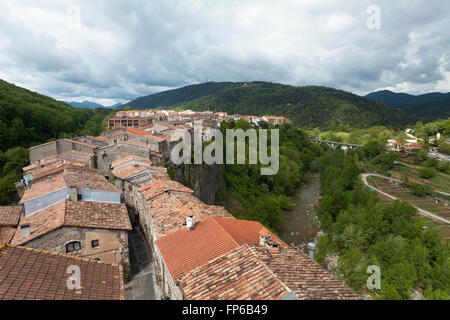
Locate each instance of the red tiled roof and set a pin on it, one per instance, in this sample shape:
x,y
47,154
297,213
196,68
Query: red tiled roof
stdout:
x,y
30,274
303,275
138,132
6,234
41,223
246,231
236,275
129,170
100,215
73,176
9,215
97,215
130,158
184,250
159,186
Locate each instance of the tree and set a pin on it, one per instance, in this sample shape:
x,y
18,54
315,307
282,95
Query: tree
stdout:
x,y
371,149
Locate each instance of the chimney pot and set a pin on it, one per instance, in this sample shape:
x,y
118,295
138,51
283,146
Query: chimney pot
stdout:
x,y
312,249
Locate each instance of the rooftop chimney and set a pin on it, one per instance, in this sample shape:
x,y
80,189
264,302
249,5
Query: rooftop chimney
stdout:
x,y
190,222
312,249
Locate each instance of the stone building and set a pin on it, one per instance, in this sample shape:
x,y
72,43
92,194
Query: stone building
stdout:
x,y
57,147
94,230
107,155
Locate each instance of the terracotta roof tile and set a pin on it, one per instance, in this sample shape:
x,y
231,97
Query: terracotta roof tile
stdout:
x,y
130,170
41,223
131,158
235,275
72,176
6,234
9,215
303,275
159,186
78,214
29,274
184,250
97,215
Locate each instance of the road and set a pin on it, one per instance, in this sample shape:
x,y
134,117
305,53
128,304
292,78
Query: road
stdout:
x,y
421,211
142,285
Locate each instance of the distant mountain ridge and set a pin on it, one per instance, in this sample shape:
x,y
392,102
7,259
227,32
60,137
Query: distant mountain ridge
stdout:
x,y
310,106
92,105
428,106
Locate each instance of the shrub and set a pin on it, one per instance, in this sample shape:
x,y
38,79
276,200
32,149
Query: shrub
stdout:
x,y
427,173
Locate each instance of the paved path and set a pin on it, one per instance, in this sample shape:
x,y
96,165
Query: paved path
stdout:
x,y
421,211
142,285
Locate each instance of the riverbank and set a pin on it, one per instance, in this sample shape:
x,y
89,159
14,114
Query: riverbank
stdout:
x,y
296,228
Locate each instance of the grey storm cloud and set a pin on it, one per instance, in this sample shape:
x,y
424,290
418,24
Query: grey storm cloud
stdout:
x,y
110,51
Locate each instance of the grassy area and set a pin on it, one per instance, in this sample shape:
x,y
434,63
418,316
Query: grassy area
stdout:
x,y
403,193
442,229
441,181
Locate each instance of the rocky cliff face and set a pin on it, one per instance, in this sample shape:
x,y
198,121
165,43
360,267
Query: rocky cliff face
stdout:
x,y
204,179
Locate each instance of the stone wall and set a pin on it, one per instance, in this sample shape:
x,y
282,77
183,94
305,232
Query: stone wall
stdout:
x,y
204,179
107,155
109,243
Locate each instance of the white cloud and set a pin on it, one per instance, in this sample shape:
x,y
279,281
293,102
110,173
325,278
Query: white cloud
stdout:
x,y
124,49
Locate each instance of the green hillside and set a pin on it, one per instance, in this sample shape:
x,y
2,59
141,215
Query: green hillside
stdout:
x,y
430,106
310,107
171,97
28,118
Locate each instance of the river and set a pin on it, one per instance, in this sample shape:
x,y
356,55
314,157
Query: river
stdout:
x,y
296,228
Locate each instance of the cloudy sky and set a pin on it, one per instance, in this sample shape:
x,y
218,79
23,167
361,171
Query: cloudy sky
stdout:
x,y
112,51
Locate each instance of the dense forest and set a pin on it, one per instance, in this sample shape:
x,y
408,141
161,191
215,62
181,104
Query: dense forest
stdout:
x,y
171,97
359,232
309,107
28,118
430,106
252,196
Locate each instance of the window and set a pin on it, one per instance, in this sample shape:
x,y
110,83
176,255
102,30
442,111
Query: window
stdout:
x,y
79,197
73,246
95,243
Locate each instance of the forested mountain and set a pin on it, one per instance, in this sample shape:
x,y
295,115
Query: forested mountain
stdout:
x,y
28,118
171,97
429,106
310,106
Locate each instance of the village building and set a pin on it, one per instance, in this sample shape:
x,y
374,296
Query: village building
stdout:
x,y
31,274
58,147
126,122
274,120
107,155
115,135
74,183
413,146
94,230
